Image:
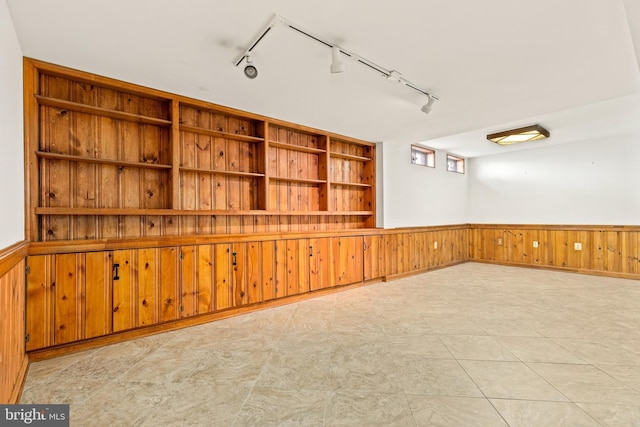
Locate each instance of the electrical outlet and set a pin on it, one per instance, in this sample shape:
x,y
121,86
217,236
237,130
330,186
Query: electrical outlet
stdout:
x,y
435,245
499,242
535,244
577,246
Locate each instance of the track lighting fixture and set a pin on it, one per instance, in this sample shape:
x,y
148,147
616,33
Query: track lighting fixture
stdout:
x,y
250,70
426,108
336,64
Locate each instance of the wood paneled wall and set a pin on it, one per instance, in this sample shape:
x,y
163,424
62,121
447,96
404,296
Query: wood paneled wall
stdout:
x,y
606,250
13,359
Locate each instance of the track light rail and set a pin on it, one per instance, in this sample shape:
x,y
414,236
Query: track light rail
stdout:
x,y
280,20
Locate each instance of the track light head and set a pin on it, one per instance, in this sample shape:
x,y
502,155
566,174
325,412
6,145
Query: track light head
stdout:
x,y
250,70
426,108
337,66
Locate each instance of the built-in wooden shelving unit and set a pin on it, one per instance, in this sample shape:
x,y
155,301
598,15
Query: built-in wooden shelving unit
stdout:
x,y
108,159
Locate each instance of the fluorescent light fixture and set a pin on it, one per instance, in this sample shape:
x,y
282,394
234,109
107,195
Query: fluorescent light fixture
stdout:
x,y
336,64
514,136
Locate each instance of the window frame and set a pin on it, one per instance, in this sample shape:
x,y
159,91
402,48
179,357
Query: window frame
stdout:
x,y
459,161
429,153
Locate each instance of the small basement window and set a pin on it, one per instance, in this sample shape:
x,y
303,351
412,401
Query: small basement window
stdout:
x,y
423,156
455,164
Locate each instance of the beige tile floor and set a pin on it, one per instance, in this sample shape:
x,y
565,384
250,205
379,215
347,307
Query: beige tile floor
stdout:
x,y
471,345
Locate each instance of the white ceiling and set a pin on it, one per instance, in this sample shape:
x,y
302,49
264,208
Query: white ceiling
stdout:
x,y
570,64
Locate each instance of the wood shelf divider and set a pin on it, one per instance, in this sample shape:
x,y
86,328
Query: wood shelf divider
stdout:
x,y
301,180
219,134
99,111
71,158
183,212
220,172
351,184
350,157
296,147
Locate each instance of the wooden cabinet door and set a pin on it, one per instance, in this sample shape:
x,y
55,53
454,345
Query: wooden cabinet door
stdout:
x,y
280,268
268,269
223,278
291,267
124,290
347,260
169,284
68,298
39,301
371,257
97,294
253,272
319,259
239,273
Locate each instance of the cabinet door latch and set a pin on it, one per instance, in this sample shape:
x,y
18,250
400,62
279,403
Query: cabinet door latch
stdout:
x,y
115,271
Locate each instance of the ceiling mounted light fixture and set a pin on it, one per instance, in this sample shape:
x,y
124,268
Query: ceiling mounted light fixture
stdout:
x,y
250,70
426,108
515,136
337,66
336,55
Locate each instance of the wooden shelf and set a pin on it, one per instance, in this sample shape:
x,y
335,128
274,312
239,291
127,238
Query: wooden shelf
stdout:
x,y
296,147
70,158
217,172
350,157
351,184
219,134
184,212
302,180
99,111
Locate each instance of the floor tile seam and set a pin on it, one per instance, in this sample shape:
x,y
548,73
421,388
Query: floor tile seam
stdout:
x,y
549,382
413,416
620,382
628,384
487,360
498,411
471,378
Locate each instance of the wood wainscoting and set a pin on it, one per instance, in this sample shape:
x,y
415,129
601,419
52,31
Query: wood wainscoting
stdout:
x,y
13,359
601,250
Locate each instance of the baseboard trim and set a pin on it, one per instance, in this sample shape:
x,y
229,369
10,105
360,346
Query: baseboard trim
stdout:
x,y
393,277
563,269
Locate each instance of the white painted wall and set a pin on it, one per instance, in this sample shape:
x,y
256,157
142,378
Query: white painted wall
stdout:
x,y
592,182
417,195
11,133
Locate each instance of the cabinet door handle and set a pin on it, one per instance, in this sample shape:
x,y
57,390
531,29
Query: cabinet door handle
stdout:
x,y
235,261
310,250
115,271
